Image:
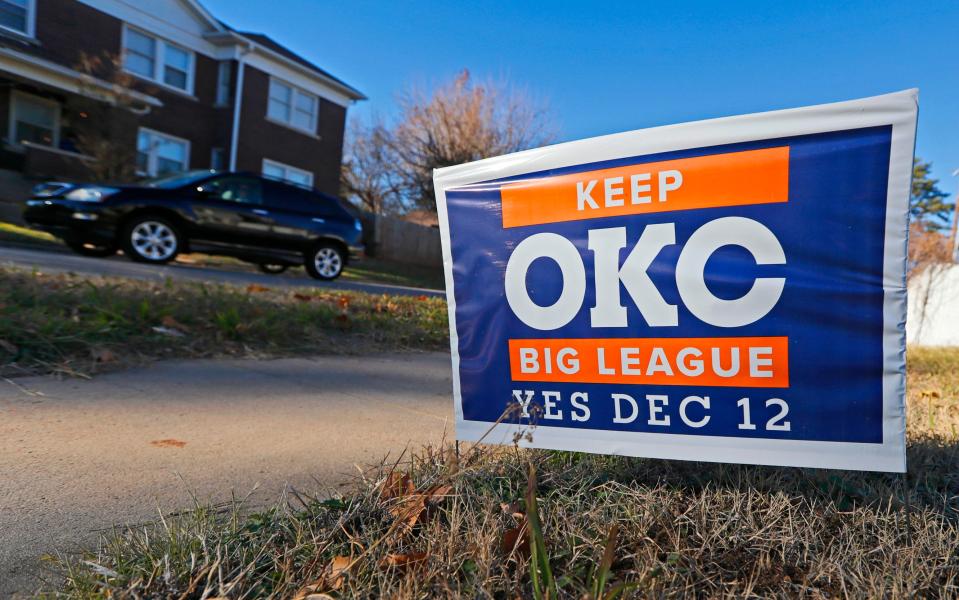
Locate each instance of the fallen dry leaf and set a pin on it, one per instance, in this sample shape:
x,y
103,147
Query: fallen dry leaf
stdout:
x,y
403,561
331,580
396,485
103,355
168,443
516,539
410,508
344,302
303,297
172,323
255,287
437,493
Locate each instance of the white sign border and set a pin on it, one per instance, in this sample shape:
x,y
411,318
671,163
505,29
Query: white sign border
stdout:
x,y
898,110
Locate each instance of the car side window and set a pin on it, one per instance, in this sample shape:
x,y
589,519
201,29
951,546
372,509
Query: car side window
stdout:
x,y
242,190
290,198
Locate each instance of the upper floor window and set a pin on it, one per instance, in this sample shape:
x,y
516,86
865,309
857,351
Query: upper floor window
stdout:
x,y
292,106
156,59
18,15
159,154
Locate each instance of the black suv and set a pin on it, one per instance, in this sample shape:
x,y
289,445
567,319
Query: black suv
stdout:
x,y
273,224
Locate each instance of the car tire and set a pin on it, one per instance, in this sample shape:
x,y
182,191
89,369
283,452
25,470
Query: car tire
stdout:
x,y
272,268
92,250
151,239
325,261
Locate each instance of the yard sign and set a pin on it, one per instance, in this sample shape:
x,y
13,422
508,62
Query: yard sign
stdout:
x,y
728,290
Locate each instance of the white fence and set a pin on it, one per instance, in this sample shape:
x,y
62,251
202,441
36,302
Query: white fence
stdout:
x,y
933,318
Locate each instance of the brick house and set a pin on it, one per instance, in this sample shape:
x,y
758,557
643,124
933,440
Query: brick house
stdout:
x,y
161,79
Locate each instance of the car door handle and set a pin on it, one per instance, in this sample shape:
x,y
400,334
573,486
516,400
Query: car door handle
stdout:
x,y
318,220
260,211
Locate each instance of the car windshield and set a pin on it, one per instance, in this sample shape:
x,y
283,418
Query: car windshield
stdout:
x,y
175,180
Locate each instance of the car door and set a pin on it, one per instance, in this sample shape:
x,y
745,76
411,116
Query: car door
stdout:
x,y
295,213
229,210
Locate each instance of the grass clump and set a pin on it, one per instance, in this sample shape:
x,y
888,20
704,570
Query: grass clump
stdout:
x,y
509,523
80,325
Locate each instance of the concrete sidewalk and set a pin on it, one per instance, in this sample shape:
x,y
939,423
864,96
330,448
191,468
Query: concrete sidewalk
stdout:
x,y
78,456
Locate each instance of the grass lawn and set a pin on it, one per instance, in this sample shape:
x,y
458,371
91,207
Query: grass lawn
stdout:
x,y
504,522
80,325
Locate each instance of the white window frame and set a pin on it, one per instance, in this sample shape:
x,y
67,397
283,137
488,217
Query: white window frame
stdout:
x,y
287,169
31,21
152,156
17,95
294,90
159,60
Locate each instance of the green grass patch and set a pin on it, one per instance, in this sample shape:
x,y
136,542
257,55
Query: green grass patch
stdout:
x,y
511,523
81,325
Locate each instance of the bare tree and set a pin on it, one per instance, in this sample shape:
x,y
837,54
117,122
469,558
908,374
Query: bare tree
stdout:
x,y
930,258
461,121
927,248
103,132
368,175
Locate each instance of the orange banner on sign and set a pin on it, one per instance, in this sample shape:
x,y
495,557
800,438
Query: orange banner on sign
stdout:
x,y
725,362
730,179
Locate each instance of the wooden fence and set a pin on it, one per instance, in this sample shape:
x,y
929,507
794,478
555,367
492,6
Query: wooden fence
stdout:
x,y
396,240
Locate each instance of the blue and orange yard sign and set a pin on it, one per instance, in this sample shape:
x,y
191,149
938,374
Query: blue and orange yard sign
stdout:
x,y
728,290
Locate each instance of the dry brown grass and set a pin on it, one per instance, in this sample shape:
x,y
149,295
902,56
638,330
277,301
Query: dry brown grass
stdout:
x,y
684,529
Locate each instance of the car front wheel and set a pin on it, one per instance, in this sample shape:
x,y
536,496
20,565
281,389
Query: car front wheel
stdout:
x,y
151,239
325,261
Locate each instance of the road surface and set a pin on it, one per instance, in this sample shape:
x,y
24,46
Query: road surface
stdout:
x,y
78,456
61,262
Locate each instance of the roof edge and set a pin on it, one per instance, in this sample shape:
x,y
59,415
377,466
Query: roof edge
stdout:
x,y
235,36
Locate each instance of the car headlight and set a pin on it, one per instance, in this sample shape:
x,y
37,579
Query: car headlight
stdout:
x,y
93,193
48,189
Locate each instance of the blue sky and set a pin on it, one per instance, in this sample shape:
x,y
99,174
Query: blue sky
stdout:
x,y
603,68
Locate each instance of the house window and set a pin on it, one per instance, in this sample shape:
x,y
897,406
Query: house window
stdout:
x,y
159,154
157,60
223,82
292,106
34,119
276,170
18,15
217,159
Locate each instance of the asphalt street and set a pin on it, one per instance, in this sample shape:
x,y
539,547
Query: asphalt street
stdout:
x,y
60,262
79,456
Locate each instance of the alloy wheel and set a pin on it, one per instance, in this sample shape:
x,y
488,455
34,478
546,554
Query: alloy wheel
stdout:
x,y
328,262
153,240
